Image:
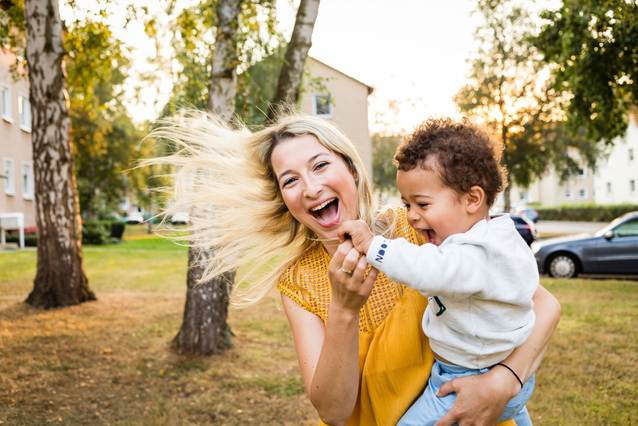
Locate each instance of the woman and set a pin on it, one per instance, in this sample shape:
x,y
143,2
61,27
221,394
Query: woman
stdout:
x,y
285,189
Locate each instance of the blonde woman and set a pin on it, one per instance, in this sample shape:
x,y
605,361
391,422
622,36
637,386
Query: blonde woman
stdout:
x,y
282,192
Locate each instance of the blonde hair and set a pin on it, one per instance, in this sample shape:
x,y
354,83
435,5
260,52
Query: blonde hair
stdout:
x,y
224,178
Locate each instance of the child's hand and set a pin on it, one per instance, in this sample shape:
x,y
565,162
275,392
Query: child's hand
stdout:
x,y
359,232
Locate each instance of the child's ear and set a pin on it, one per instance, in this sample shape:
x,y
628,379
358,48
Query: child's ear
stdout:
x,y
474,199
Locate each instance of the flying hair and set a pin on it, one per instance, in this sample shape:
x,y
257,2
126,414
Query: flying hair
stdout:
x,y
223,177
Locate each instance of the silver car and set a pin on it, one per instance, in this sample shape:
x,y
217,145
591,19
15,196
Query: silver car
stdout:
x,y
612,250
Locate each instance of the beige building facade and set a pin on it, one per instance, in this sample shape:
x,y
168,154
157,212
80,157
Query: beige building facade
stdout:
x,y
17,186
342,100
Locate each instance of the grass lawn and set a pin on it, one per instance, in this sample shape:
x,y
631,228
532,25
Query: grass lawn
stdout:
x,y
108,362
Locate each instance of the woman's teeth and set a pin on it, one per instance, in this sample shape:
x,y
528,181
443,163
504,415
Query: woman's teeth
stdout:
x,y
322,205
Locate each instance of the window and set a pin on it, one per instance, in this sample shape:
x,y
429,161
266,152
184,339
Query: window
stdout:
x,y
5,103
522,196
9,177
581,173
630,154
27,181
608,187
632,186
568,193
24,110
582,193
627,229
322,105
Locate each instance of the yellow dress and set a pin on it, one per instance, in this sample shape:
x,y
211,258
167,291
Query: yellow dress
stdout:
x,y
394,355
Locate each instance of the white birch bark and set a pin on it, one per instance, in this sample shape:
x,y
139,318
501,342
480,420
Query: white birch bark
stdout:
x,y
291,74
60,279
204,329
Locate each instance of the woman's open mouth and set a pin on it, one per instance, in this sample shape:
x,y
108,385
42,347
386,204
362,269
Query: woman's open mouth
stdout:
x,y
327,213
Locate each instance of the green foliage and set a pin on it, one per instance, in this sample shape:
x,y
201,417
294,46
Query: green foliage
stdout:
x,y
594,47
98,232
383,171
104,138
193,43
586,212
507,92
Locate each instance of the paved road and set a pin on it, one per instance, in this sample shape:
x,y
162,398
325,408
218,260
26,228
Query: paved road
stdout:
x,y
566,227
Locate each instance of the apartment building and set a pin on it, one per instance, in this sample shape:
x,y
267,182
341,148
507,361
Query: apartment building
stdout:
x,y
615,181
17,189
343,101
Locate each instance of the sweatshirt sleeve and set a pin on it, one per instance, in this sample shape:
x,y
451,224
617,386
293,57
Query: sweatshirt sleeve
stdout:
x,y
429,269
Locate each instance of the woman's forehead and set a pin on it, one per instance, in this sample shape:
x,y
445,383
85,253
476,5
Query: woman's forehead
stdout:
x,y
298,149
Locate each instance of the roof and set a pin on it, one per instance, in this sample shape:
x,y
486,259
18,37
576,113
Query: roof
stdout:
x,y
370,88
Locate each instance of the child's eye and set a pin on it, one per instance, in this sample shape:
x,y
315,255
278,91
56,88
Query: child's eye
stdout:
x,y
406,205
423,205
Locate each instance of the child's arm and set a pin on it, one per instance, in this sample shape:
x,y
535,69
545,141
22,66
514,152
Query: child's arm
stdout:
x,y
428,268
359,232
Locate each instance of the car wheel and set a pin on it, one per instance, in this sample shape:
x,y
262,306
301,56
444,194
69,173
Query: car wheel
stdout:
x,y
563,266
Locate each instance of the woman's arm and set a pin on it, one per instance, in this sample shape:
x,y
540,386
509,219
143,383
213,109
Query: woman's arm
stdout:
x,y
481,399
329,354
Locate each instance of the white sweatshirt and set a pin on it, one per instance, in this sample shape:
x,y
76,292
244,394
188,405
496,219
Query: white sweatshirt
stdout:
x,y
483,280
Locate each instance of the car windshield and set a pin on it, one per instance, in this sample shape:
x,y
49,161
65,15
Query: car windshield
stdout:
x,y
614,223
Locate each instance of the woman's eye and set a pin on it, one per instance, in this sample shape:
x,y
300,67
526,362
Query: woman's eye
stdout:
x,y
406,205
321,165
423,205
287,182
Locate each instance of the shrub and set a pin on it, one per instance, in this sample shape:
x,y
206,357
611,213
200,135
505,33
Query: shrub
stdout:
x,y
96,232
117,230
586,212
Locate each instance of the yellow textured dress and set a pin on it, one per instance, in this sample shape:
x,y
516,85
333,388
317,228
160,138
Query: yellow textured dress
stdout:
x,y
394,356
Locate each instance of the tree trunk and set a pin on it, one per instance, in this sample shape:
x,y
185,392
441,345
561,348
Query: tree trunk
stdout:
x,y
205,329
507,198
60,279
292,71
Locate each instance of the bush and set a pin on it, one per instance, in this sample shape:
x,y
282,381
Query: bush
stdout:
x,y
117,230
96,232
30,239
102,231
586,212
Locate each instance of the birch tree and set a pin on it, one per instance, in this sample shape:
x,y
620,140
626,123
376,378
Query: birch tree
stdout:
x,y
289,83
60,279
204,327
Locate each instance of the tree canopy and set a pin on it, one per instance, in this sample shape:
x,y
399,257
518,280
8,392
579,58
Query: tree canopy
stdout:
x,y
508,91
594,45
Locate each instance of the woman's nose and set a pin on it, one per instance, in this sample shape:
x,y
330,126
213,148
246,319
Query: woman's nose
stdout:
x,y
313,188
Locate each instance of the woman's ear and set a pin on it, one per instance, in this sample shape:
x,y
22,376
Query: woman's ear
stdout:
x,y
474,199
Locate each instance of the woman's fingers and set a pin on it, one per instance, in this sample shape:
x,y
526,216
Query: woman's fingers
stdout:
x,y
350,261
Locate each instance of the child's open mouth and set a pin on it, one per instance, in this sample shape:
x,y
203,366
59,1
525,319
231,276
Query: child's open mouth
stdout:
x,y
432,237
327,213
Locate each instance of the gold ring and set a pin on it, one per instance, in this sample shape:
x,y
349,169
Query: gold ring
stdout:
x,y
346,271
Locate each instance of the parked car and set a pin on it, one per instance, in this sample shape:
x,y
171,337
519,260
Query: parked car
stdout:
x,y
180,218
134,217
612,250
524,226
527,212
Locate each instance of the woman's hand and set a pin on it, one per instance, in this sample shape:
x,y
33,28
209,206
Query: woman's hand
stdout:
x,y
347,271
480,399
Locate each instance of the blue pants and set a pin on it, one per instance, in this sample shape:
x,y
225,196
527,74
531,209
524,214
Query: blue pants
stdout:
x,y
429,408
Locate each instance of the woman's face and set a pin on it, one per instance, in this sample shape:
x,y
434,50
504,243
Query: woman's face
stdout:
x,y
316,184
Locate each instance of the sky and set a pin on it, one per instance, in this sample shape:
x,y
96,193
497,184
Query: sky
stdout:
x,y
412,52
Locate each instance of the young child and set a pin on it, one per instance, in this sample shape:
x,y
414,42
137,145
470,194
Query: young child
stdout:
x,y
478,272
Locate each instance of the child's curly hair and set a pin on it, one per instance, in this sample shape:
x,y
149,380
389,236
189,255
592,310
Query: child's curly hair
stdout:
x,y
464,155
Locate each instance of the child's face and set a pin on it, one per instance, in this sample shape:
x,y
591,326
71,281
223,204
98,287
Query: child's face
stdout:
x,y
434,209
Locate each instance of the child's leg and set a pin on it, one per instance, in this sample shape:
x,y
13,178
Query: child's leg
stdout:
x,y
429,408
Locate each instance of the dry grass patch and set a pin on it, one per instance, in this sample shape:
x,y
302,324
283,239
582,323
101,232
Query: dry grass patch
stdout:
x,y
108,362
